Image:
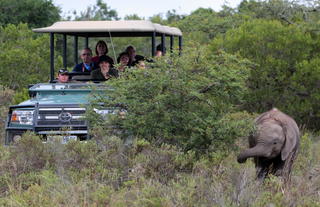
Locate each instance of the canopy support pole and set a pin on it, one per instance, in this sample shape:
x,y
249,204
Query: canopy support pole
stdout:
x,y
75,50
180,45
86,42
51,56
163,44
64,50
153,44
171,43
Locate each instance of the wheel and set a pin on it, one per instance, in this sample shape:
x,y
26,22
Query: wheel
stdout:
x,y
12,137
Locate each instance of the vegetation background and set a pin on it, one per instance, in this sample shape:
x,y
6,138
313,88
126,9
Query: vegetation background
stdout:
x,y
188,118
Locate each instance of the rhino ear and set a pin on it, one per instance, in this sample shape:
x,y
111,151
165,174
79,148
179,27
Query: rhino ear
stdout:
x,y
291,132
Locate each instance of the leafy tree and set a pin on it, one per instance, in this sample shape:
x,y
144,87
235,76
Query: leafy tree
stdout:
x,y
37,13
170,17
100,11
285,56
303,94
202,25
24,57
290,12
132,17
181,102
158,18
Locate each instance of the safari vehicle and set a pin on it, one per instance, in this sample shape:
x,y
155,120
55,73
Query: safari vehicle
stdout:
x,y
55,110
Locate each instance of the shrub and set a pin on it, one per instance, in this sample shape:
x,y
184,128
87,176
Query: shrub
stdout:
x,y
29,154
32,64
160,163
178,100
287,72
6,95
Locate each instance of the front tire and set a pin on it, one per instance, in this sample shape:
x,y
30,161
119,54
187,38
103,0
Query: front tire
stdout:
x,y
12,137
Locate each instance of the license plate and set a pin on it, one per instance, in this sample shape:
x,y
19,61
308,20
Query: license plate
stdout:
x,y
62,139
67,139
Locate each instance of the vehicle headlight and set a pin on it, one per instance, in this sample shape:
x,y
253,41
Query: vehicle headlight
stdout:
x,y
22,117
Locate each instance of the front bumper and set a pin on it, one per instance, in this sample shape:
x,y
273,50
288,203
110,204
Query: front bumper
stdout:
x,y
50,121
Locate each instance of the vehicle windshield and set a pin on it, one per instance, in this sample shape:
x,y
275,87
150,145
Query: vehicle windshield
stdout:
x,y
68,86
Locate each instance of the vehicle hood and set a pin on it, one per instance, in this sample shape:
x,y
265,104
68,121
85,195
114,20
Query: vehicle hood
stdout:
x,y
71,93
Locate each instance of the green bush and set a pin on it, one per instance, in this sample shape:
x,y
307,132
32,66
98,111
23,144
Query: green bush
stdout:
x,y
6,95
150,176
21,95
25,55
30,154
304,93
178,100
287,73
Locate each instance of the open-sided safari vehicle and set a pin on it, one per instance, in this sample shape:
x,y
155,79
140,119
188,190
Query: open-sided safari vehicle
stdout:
x,y
56,110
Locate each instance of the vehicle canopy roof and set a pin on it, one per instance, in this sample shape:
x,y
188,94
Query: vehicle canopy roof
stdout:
x,y
122,28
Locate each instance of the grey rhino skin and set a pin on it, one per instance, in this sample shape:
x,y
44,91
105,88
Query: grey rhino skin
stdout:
x,y
274,144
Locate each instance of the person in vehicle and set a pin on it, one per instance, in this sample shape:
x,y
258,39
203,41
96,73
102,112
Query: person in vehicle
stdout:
x,y
87,64
101,49
133,57
123,60
106,70
159,52
63,76
141,64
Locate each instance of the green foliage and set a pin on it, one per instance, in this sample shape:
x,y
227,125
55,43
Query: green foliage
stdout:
x,y
180,102
152,175
141,44
24,55
20,96
132,17
286,66
100,11
29,154
160,163
36,13
170,17
194,102
6,95
212,24
236,125
289,12
304,92
306,149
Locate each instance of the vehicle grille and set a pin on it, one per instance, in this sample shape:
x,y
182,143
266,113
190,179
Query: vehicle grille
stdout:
x,y
61,116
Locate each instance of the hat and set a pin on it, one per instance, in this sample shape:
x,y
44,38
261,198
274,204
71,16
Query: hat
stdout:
x,y
63,71
104,58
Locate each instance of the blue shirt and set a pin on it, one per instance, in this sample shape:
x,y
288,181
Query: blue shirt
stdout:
x,y
82,67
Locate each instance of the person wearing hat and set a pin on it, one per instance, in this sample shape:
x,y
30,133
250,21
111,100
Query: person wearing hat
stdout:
x,y
105,70
63,76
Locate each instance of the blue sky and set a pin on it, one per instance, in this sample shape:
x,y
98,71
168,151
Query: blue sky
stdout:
x,y
146,8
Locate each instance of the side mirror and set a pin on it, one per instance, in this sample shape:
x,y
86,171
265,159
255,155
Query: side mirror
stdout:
x,y
31,93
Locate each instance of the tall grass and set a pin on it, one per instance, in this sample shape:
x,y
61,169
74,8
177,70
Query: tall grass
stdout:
x,y
112,173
